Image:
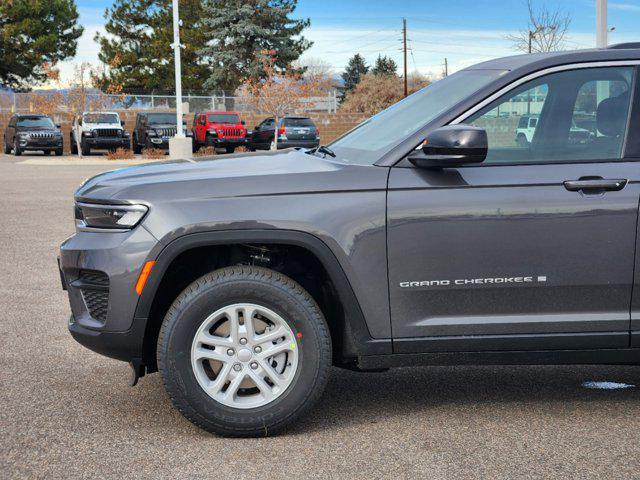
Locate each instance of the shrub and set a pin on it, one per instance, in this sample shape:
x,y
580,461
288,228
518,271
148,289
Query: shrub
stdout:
x,y
205,152
119,154
153,153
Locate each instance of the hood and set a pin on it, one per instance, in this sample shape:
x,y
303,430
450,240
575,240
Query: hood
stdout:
x,y
91,126
284,172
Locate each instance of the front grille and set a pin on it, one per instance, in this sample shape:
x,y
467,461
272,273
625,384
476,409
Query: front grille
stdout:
x,y
94,287
166,132
42,135
233,132
108,132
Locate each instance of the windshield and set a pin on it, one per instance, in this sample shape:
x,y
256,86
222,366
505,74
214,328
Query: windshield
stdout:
x,y
223,118
35,122
367,142
158,118
101,118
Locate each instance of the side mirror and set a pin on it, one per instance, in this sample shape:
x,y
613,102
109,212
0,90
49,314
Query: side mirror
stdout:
x,y
58,125
243,122
80,121
122,123
452,146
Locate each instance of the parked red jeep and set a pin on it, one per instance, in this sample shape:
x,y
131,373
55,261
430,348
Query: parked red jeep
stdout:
x,y
219,130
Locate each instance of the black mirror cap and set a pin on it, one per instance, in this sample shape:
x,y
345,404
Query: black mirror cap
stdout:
x,y
452,146
58,126
243,122
122,123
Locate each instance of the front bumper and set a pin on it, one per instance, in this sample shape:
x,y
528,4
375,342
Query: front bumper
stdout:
x,y
159,142
40,143
106,323
107,143
227,142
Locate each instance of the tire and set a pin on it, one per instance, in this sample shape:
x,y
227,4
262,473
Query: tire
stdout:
x,y
58,152
86,150
74,145
230,149
521,141
7,148
306,365
136,148
16,151
47,152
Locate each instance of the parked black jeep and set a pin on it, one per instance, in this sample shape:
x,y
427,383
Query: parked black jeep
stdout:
x,y
32,132
153,130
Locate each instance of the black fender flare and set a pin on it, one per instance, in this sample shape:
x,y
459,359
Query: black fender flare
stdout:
x,y
356,336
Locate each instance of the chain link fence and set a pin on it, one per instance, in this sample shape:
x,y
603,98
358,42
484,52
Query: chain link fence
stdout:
x,y
74,102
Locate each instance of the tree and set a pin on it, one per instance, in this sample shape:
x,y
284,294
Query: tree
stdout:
x,y
34,37
278,93
238,30
354,71
384,66
545,33
374,93
137,46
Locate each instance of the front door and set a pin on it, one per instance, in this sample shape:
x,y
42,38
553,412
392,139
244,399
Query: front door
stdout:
x,y
534,248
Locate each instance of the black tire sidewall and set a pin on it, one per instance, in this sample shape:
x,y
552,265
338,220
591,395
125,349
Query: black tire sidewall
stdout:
x,y
175,354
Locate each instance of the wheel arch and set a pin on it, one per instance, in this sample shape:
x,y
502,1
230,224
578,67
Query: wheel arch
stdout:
x,y
353,332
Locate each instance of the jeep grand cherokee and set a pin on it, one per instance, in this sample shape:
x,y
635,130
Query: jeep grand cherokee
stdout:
x,y
425,236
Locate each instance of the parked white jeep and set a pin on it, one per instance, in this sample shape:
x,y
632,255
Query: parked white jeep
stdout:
x,y
98,130
527,128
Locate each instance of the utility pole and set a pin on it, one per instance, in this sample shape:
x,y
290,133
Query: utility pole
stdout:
x,y
602,28
446,67
179,145
404,50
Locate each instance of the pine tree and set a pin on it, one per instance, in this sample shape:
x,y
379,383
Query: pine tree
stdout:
x,y
137,47
353,72
34,36
240,31
384,66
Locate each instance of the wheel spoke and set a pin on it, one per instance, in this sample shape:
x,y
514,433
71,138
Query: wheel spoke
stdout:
x,y
223,375
263,386
273,350
249,329
278,380
205,353
231,391
212,340
270,336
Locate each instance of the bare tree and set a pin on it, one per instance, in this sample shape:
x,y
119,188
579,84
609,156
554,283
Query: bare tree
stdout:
x,y
279,92
546,32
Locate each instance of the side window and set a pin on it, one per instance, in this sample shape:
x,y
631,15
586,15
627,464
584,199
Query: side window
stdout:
x,y
571,116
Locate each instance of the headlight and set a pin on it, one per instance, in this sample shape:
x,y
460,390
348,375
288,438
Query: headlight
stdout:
x,y
115,217
87,134
212,131
24,135
125,133
152,133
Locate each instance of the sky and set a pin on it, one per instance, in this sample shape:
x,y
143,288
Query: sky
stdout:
x,y
463,31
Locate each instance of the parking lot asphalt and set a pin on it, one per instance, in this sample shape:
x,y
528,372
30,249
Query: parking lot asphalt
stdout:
x,y
68,413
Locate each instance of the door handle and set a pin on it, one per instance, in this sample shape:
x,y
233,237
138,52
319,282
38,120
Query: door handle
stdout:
x,y
595,184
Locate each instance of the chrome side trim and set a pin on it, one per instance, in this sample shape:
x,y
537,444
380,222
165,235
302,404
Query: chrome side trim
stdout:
x,y
540,73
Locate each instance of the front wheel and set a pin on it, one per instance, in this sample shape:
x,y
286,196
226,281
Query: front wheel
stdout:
x,y
58,152
244,351
86,149
7,148
230,149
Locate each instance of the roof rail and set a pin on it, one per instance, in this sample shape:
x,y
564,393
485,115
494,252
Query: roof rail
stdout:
x,y
622,46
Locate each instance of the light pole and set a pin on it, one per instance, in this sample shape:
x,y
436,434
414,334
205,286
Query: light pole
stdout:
x,y
179,145
602,28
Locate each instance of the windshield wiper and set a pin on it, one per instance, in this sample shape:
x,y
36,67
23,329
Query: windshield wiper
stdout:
x,y
323,149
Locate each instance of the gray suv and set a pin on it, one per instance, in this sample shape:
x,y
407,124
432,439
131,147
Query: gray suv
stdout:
x,y
425,236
